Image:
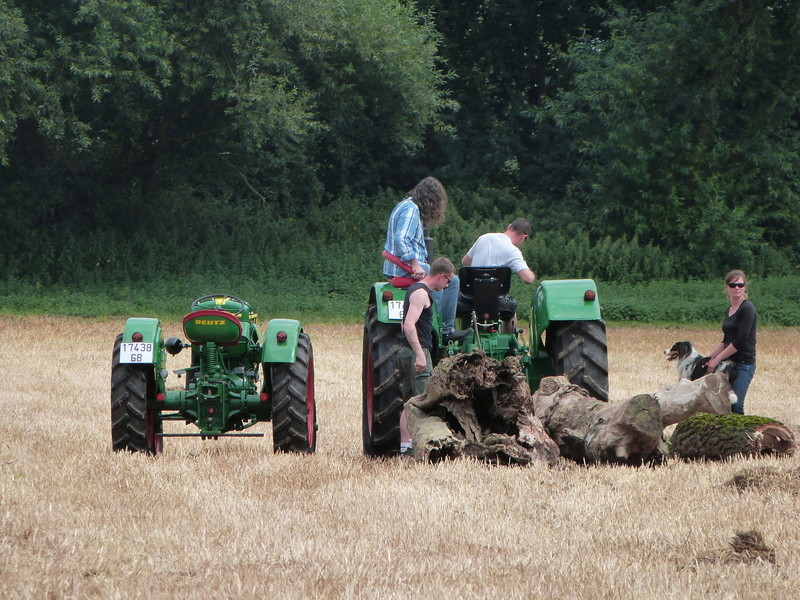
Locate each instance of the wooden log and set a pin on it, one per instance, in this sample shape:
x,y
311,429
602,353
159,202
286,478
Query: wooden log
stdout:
x,y
438,441
477,406
588,430
713,437
710,394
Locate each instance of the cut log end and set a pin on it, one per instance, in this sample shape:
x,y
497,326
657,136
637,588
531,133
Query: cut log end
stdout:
x,y
588,430
775,438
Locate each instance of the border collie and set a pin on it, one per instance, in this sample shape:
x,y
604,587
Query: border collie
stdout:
x,y
691,365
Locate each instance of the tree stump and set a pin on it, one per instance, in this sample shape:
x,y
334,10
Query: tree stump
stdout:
x,y
477,406
713,437
588,430
709,394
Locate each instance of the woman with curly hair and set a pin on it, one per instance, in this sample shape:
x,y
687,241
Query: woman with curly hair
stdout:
x,y
423,207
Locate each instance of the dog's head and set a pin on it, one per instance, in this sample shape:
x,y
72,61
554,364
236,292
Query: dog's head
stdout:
x,y
679,351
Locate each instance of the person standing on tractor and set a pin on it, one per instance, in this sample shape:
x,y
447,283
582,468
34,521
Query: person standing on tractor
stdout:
x,y
422,208
414,355
502,250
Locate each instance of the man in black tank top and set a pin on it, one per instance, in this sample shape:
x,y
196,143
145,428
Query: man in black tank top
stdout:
x,y
424,324
414,356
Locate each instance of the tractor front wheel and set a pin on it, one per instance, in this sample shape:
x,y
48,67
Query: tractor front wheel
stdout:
x,y
134,426
380,376
580,353
294,412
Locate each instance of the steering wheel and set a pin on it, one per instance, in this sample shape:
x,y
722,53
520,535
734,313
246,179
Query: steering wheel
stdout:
x,y
242,304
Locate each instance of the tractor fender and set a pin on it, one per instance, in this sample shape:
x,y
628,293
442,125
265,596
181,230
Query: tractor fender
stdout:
x,y
150,330
564,300
376,297
275,351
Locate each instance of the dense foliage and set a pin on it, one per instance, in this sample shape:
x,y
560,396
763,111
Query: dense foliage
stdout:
x,y
683,124
117,113
261,143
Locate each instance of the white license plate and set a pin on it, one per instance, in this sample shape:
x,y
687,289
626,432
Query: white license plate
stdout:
x,y
396,309
136,352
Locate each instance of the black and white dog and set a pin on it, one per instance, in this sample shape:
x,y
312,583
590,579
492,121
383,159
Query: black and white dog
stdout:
x,y
691,365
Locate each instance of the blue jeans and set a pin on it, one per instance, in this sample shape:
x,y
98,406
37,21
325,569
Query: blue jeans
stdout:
x,y
740,385
446,300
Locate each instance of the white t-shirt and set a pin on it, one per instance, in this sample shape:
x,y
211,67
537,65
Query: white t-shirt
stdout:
x,y
496,250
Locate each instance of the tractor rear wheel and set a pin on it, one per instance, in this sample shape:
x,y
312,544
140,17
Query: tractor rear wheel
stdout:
x,y
134,426
294,411
380,378
581,354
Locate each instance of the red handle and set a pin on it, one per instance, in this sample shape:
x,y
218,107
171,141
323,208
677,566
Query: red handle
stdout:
x,y
392,258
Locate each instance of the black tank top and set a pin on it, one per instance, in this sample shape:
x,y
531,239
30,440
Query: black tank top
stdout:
x,y
425,321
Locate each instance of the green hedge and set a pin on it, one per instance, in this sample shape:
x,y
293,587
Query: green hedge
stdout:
x,y
662,302
698,302
321,264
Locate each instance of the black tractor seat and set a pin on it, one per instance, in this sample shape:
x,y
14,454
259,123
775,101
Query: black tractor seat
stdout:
x,y
485,291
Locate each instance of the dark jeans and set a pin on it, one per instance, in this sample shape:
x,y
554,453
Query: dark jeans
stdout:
x,y
412,383
740,384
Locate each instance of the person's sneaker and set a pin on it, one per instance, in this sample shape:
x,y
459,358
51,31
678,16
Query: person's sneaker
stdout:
x,y
456,336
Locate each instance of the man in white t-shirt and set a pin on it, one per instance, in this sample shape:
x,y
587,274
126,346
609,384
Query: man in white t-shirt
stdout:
x,y
502,250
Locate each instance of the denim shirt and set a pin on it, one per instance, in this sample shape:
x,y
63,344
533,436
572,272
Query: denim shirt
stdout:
x,y
404,237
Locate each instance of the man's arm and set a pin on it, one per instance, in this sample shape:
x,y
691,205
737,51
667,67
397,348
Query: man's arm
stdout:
x,y
526,275
467,258
417,302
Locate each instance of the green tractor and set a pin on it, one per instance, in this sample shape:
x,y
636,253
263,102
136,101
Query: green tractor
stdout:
x,y
236,378
567,337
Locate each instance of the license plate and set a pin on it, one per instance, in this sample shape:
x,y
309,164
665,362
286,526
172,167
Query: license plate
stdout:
x,y
396,309
136,352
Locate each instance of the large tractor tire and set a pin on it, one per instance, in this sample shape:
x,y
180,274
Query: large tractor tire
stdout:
x,y
581,354
294,410
134,426
380,377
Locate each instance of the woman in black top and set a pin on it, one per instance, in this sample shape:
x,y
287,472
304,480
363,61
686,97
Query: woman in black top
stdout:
x,y
739,338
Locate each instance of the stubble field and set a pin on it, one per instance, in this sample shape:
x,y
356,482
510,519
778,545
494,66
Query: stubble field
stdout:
x,y
229,519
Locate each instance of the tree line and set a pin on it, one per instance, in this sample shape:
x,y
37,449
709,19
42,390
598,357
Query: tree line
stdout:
x,y
144,135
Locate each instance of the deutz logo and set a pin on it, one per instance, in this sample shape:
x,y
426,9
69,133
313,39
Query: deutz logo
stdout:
x,y
209,322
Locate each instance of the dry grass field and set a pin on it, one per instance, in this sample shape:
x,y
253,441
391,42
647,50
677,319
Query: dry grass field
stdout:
x,y
228,519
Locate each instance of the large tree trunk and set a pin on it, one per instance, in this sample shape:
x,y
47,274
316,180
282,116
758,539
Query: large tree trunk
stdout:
x,y
588,430
717,437
709,394
477,406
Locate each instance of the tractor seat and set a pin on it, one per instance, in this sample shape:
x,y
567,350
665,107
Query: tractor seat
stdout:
x,y
402,282
485,291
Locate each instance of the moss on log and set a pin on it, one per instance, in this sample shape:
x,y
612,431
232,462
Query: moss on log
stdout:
x,y
715,437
